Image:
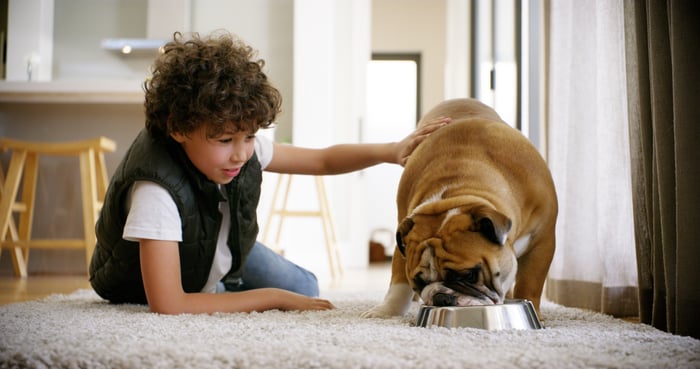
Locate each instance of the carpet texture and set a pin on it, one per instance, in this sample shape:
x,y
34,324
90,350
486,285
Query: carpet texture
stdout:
x,y
82,331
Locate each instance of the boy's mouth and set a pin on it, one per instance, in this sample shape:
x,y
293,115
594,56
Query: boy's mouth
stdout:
x,y
232,172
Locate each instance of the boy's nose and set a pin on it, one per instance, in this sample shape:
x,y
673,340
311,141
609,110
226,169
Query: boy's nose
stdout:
x,y
239,155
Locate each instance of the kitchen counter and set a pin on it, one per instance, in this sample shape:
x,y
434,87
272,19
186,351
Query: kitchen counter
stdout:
x,y
72,92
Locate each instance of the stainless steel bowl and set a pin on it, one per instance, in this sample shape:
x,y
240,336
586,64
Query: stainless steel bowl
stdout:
x,y
513,314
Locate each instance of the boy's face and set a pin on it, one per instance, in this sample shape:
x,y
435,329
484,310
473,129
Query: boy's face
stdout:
x,y
219,158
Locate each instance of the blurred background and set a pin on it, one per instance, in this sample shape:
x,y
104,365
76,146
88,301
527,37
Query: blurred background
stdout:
x,y
349,71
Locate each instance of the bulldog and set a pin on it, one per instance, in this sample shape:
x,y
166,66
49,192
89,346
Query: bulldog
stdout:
x,y
476,215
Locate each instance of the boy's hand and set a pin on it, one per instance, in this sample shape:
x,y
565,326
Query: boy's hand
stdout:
x,y
408,144
300,302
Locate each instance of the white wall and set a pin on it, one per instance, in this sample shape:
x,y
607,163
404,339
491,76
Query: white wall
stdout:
x,y
266,25
80,26
29,55
414,26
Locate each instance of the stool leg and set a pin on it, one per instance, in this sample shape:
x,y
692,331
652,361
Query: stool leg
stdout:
x,y
273,210
101,173
13,241
9,194
90,202
328,230
283,210
31,169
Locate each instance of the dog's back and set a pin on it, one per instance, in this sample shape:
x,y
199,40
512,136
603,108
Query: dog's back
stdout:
x,y
461,109
475,150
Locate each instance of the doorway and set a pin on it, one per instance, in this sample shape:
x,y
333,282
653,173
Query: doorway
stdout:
x,y
393,109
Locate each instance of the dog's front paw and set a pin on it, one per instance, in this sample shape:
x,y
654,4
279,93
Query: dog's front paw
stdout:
x,y
380,311
396,302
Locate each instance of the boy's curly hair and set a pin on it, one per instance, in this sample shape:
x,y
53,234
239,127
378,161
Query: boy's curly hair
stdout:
x,y
210,80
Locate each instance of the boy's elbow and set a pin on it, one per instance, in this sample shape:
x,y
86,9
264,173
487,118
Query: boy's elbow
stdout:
x,y
166,306
165,309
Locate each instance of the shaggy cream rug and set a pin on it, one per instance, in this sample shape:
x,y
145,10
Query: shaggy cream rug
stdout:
x,y
82,331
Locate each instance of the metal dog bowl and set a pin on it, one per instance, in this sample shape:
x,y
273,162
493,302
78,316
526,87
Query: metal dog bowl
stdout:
x,y
513,314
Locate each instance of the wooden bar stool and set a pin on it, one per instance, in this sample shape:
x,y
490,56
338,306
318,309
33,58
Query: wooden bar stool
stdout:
x,y
23,167
323,213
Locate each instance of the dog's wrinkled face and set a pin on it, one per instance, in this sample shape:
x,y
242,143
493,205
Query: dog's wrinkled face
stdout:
x,y
459,257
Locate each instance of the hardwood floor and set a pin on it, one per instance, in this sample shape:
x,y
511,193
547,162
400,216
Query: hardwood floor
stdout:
x,y
14,289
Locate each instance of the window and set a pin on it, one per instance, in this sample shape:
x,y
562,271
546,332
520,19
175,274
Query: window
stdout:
x,y
507,61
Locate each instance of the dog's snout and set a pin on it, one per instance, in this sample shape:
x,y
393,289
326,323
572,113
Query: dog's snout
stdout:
x,y
443,299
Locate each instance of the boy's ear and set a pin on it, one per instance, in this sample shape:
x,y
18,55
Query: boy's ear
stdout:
x,y
177,136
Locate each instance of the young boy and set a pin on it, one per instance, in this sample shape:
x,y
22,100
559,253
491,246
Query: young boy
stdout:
x,y
179,220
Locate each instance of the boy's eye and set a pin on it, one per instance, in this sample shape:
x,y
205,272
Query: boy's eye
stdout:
x,y
225,140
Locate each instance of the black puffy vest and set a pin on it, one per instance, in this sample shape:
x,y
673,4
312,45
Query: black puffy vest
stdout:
x,y
115,271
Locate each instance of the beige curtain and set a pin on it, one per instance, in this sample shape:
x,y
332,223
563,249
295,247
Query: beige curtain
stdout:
x,y
663,70
594,266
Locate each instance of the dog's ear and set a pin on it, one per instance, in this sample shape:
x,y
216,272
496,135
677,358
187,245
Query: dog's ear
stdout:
x,y
491,224
405,227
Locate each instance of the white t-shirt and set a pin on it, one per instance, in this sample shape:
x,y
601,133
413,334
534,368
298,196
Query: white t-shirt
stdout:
x,y
152,214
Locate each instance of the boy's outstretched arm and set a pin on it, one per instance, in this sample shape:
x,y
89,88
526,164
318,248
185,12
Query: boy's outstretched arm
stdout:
x,y
160,268
348,157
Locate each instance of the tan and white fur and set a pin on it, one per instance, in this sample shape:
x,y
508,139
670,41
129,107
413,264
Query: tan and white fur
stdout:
x,y
476,212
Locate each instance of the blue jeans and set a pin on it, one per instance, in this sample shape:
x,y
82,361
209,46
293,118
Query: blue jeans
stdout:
x,y
265,268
